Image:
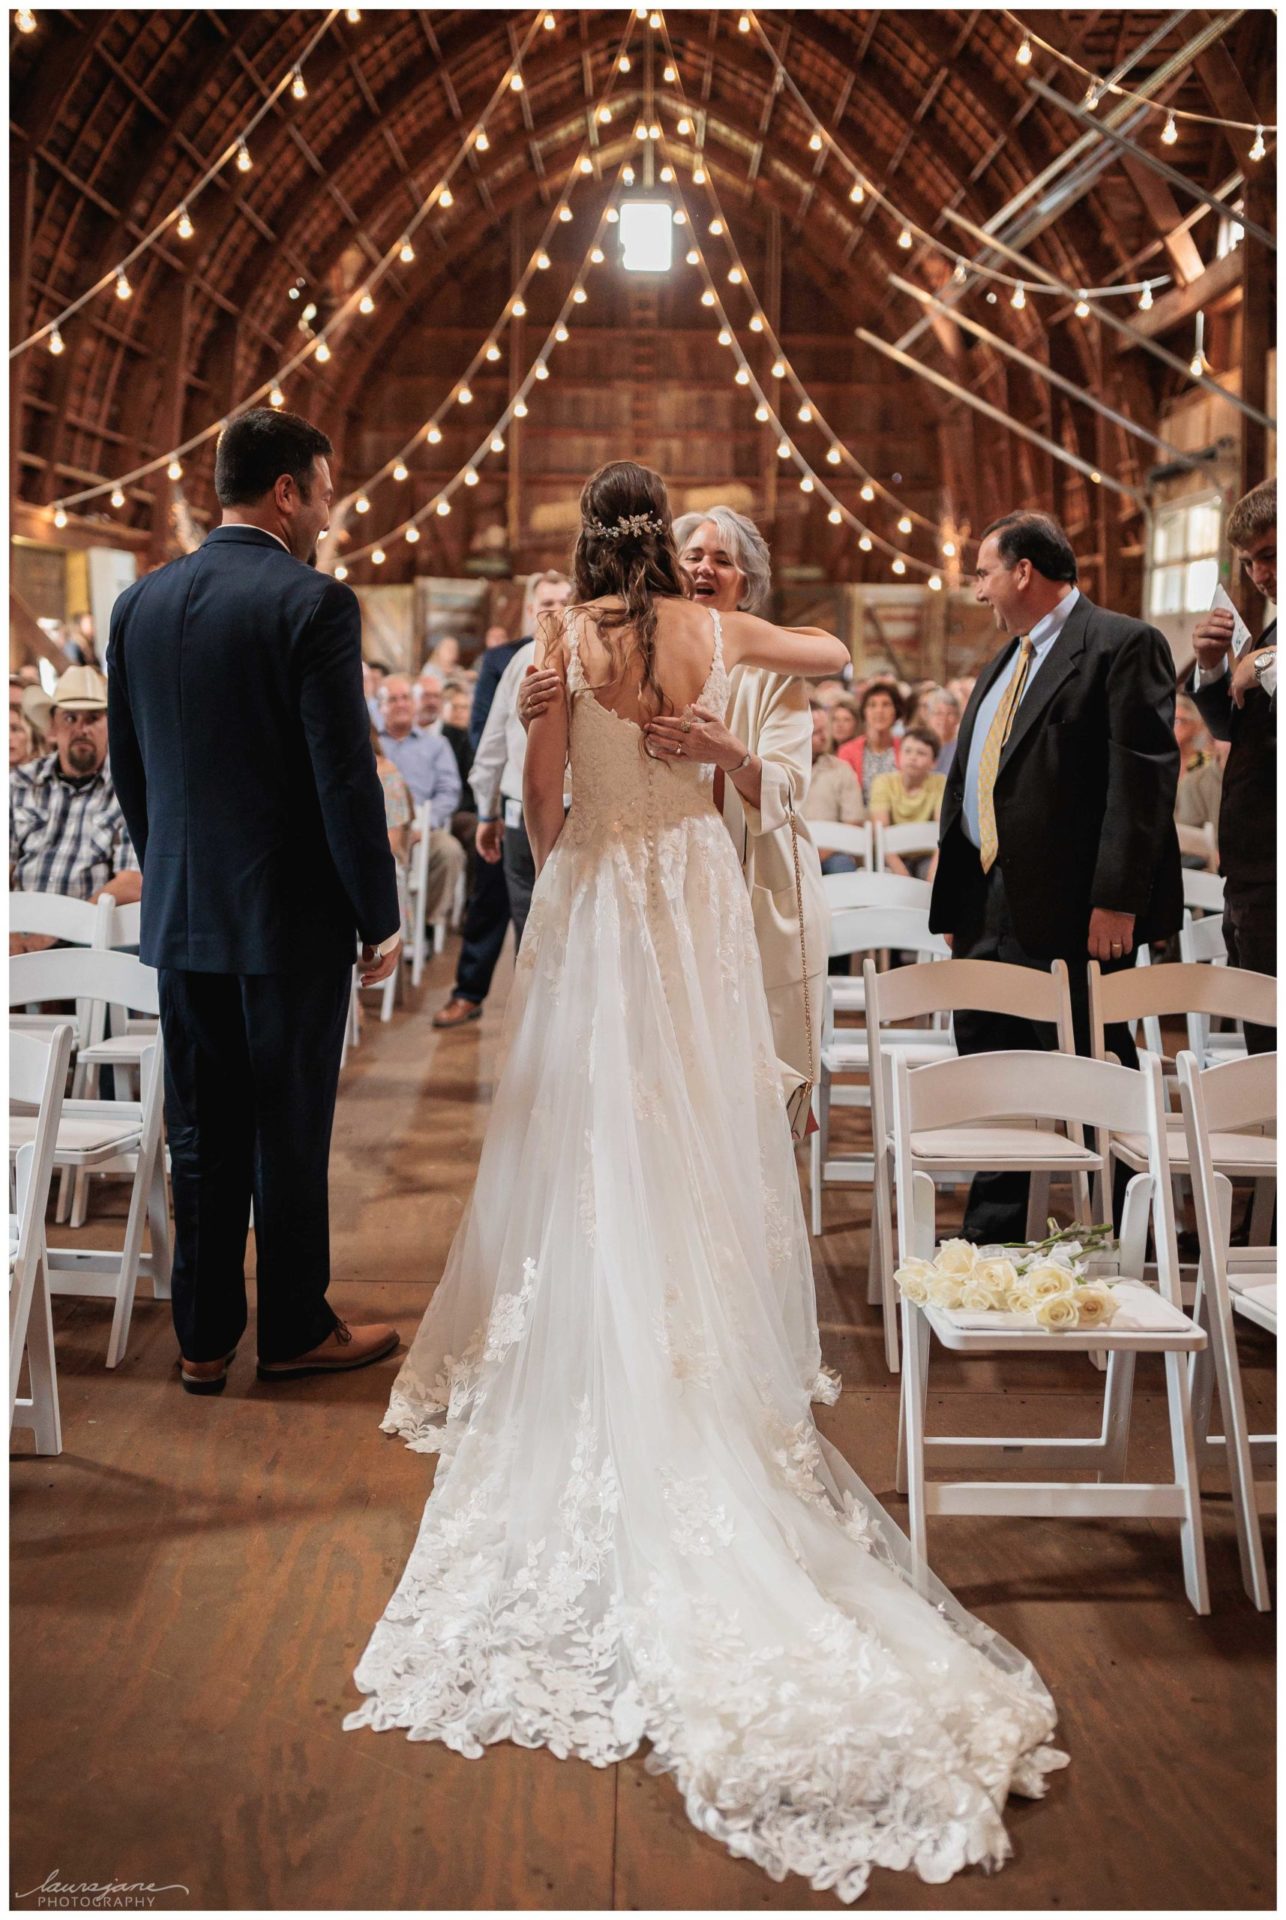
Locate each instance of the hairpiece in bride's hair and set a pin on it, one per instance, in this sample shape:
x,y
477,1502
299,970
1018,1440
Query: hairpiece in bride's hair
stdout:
x,y
629,526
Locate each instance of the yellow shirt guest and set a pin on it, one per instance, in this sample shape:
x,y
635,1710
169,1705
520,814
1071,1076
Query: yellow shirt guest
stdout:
x,y
912,796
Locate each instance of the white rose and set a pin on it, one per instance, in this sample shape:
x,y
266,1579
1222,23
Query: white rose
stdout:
x,y
1047,1280
1057,1313
1095,1306
1020,1300
946,1290
958,1257
914,1279
1000,1274
978,1296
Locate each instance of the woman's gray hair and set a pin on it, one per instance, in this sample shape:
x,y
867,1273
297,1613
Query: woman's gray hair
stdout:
x,y
742,541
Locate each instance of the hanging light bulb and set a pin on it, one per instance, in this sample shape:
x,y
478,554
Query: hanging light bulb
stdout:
x,y
322,354
366,304
948,549
611,216
725,338
56,343
465,396
411,536
734,276
667,175
1082,307
175,470
959,273
805,413
1092,97
1170,131
1096,477
341,571
654,21
597,256
835,517
684,126
604,116
806,484
1197,364
25,20
865,543
857,193
691,256
1023,55
742,376
904,524
124,291
564,214
298,85
378,557
868,491
623,64
353,15
183,226
833,456
670,75
899,566
716,228
680,217
433,434
778,369
518,309
579,296
496,443
118,498
471,476
550,23
1258,150
60,518
1018,298
934,583
561,334
540,370
905,241
707,298
444,508
520,409
244,162
482,143
406,253
276,398
815,142
361,504
586,164
743,25
492,353
761,413
783,449
627,175
400,472
446,198
515,85
756,323
640,130
698,176
1145,300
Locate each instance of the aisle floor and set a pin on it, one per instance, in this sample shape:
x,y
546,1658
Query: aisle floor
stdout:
x,y
193,1580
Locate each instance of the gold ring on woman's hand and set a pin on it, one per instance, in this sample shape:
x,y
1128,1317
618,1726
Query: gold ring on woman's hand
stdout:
x,y
686,725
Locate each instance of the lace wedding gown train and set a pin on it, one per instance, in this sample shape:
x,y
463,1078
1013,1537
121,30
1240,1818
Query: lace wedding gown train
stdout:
x,y
636,1532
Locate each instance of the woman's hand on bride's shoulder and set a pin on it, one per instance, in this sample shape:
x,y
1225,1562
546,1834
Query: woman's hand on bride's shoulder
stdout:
x,y
539,685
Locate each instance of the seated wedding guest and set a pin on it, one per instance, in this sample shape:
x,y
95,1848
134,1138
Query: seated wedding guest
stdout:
x,y
1190,732
22,739
911,796
829,691
428,701
399,817
833,793
876,750
445,656
845,725
939,711
455,725
428,766
374,674
1200,794
1237,698
495,637
67,833
962,689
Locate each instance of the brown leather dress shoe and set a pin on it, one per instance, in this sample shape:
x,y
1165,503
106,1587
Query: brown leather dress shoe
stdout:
x,y
343,1349
457,1013
205,1376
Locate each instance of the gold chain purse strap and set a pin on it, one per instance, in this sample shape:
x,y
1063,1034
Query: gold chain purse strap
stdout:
x,y
800,1101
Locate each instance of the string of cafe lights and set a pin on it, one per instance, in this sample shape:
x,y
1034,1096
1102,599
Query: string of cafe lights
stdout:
x,y
179,219
811,482
582,167
863,188
318,347
1098,88
493,441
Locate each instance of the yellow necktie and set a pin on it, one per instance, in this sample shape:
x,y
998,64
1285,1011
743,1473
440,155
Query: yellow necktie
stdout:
x,y
993,746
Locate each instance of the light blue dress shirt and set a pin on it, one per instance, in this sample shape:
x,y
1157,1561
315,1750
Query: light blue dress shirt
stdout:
x,y
1042,637
429,768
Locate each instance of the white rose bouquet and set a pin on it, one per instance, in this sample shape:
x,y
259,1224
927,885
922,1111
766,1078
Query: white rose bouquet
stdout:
x,y
1048,1279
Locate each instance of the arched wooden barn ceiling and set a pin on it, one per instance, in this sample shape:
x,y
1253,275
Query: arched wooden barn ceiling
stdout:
x,y
116,113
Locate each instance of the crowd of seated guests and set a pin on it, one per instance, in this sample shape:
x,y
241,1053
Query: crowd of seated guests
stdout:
x,y
834,796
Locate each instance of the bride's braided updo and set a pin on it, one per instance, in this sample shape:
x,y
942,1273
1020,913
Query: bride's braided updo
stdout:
x,y
626,547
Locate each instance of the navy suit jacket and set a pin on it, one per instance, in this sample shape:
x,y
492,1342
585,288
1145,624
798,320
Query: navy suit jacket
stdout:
x,y
1084,794
241,755
490,669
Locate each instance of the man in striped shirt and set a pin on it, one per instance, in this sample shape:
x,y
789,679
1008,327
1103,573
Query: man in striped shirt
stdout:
x,y
67,833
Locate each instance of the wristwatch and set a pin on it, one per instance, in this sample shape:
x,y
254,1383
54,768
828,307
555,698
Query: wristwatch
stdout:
x,y
1263,661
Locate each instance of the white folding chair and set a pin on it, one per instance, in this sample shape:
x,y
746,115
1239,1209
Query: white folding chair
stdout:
x,y
913,842
975,1094
1234,1280
38,1065
417,893
106,1136
855,930
77,923
916,993
857,842
1201,942
1202,892
872,889
1199,843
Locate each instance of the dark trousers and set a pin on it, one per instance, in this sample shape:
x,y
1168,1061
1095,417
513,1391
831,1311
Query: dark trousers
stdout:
x,y
997,1208
520,877
251,1072
1250,931
486,921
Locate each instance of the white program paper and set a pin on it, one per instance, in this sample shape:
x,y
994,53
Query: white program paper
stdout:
x,y
1240,631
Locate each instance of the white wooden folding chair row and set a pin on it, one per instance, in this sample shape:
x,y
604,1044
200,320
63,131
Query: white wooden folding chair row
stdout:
x,y
1234,1281
867,888
106,1136
1202,892
417,893
917,993
912,842
857,930
78,923
38,1067
975,1093
857,842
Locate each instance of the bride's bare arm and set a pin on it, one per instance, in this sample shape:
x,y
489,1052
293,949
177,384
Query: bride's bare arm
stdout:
x,y
546,762
751,642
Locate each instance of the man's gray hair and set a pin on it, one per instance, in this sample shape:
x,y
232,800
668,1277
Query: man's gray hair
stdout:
x,y
742,542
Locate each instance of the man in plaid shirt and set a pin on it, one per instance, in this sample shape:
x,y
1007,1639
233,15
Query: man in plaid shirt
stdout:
x,y
67,833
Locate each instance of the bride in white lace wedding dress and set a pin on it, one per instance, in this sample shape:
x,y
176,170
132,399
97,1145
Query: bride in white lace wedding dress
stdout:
x,y
636,1533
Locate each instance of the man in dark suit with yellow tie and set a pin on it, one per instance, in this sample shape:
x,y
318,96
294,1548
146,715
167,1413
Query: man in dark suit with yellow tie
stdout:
x,y
1057,838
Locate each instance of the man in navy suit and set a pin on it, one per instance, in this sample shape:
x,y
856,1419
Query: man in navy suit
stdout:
x,y
1057,837
240,749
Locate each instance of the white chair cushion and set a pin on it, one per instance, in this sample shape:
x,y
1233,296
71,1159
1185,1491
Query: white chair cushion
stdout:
x,y
1256,1152
1255,1291
957,1146
77,1135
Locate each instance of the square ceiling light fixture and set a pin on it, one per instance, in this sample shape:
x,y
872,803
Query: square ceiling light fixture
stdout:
x,y
647,236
